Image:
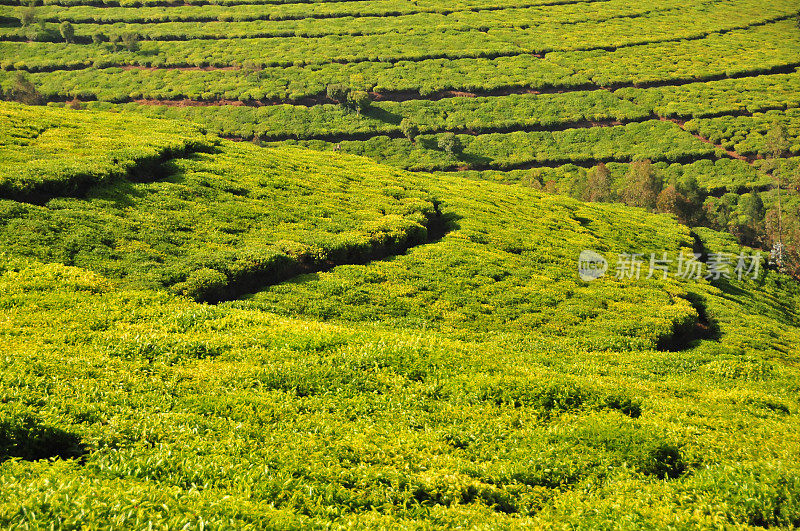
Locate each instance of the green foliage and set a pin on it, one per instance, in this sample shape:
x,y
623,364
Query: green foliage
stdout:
x,y
397,350
450,144
67,31
48,152
130,40
480,114
337,93
410,129
28,17
294,82
598,185
763,48
359,100
237,241
23,436
24,91
472,381
642,186
652,139
114,39
713,98
750,135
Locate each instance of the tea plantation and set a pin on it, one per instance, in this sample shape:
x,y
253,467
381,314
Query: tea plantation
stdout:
x,y
289,264
417,350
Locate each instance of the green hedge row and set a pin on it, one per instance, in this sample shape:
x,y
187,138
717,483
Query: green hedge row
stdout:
x,y
748,134
329,121
727,96
207,224
655,140
294,83
696,22
181,23
760,49
270,11
289,51
404,44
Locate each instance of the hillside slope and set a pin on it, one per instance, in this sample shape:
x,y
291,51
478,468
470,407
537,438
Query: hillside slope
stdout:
x,y
541,92
433,359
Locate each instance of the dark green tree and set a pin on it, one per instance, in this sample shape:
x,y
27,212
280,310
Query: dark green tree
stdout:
x,y
359,100
719,211
450,144
409,129
338,93
67,31
750,225
690,201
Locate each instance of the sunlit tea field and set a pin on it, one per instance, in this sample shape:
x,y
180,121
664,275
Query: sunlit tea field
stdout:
x,y
322,264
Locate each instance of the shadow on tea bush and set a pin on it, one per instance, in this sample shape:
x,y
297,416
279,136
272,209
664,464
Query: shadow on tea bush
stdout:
x,y
553,397
166,349
25,437
640,446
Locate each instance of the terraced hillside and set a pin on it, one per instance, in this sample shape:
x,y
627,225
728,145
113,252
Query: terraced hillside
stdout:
x,y
539,89
416,350
337,286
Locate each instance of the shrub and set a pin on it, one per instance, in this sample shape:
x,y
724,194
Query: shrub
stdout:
x,y
67,31
24,91
359,100
338,93
410,129
130,39
204,285
28,16
26,437
450,144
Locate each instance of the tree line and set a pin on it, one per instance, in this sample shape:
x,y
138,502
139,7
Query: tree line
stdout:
x,y
772,225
